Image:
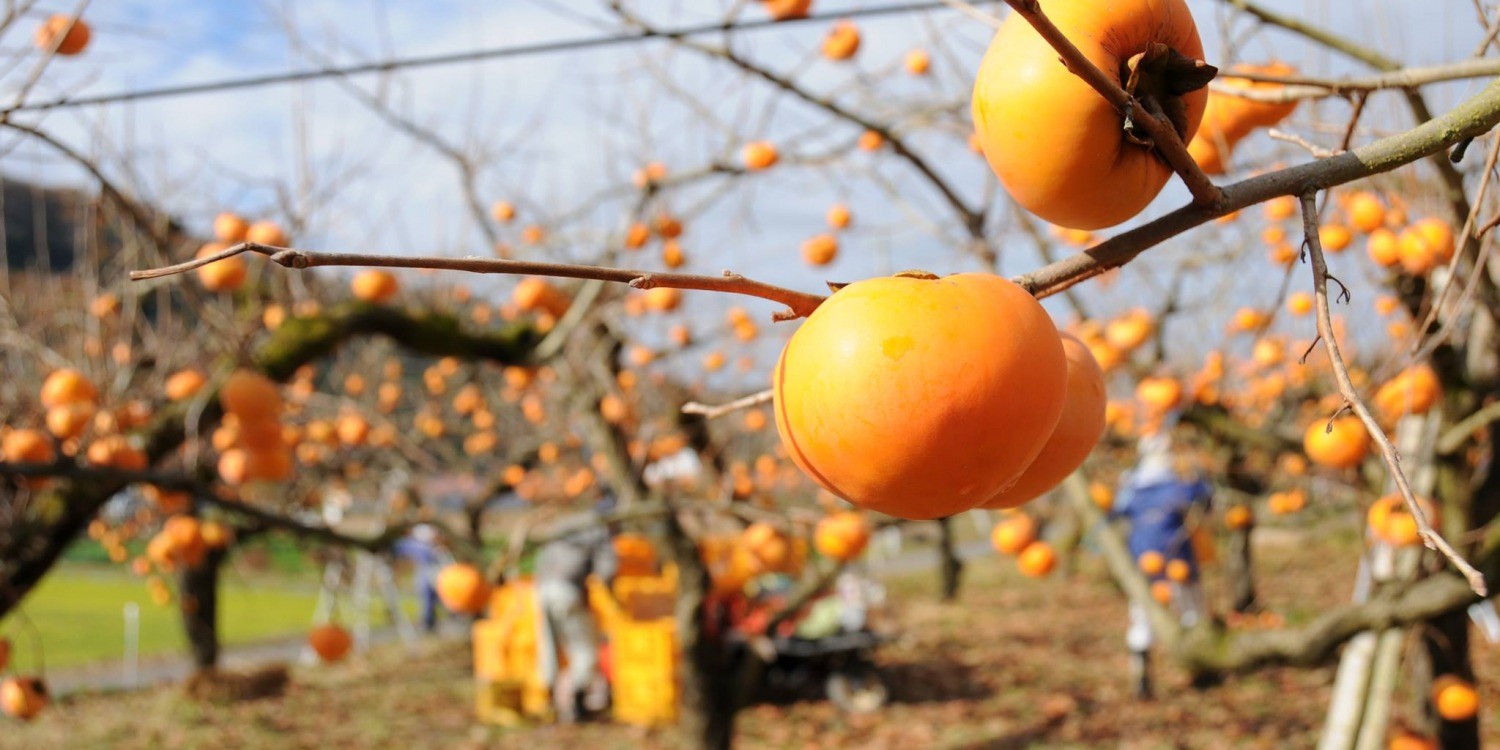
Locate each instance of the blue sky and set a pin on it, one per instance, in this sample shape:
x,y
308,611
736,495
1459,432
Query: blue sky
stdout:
x,y
571,124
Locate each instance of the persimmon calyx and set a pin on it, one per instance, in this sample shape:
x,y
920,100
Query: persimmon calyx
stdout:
x,y
1158,78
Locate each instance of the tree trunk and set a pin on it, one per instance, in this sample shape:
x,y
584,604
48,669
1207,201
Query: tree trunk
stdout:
x,y
199,604
1239,569
1446,642
951,567
707,706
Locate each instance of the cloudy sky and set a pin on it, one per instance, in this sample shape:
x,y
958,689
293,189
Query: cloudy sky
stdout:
x,y
558,128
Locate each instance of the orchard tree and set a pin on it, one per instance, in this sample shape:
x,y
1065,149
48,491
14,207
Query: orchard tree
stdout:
x,y
889,394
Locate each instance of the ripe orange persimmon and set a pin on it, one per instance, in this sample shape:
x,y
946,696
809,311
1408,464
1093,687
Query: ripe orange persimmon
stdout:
x,y
330,642
1013,534
74,33
917,62
1334,237
67,386
267,232
663,299
1404,740
536,294
1037,560
1341,444
1439,237
784,10
1077,432
888,394
374,285
1026,103
842,536
184,384
1227,117
838,217
1159,394
1393,523
1130,330
69,420
1414,390
251,396
27,446
842,41
462,588
671,254
1384,247
224,275
767,545
503,211
1102,496
1152,563
1455,698
23,697
820,250
1161,591
758,155
230,228
637,236
1238,518
1366,212
1179,571
1299,303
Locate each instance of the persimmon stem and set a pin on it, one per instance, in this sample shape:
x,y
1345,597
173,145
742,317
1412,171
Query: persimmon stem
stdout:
x,y
1159,130
1352,401
799,304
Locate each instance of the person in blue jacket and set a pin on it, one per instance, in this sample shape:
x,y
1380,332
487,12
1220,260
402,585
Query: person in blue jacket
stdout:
x,y
421,547
1158,497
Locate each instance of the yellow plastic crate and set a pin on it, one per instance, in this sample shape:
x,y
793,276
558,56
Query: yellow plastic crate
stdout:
x,y
645,671
505,658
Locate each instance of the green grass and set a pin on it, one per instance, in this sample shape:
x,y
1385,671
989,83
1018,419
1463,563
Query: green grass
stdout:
x,y
79,611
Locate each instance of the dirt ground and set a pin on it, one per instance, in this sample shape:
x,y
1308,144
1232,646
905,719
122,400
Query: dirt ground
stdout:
x,y
1016,663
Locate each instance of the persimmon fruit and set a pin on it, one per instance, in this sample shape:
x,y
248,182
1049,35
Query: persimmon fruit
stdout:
x,y
1058,146
889,395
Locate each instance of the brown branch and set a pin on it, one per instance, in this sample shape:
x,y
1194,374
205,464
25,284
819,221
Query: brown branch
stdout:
x,y
799,304
1470,119
1297,88
1210,649
1163,136
710,411
1352,399
207,492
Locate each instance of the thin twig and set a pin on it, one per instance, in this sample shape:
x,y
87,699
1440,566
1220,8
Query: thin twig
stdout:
x,y
1312,148
710,411
1297,88
799,304
1163,136
1353,401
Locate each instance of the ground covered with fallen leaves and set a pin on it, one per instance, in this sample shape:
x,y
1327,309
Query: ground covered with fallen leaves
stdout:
x,y
1015,663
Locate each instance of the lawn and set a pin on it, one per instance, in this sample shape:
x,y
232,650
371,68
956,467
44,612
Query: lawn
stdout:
x,y
79,610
